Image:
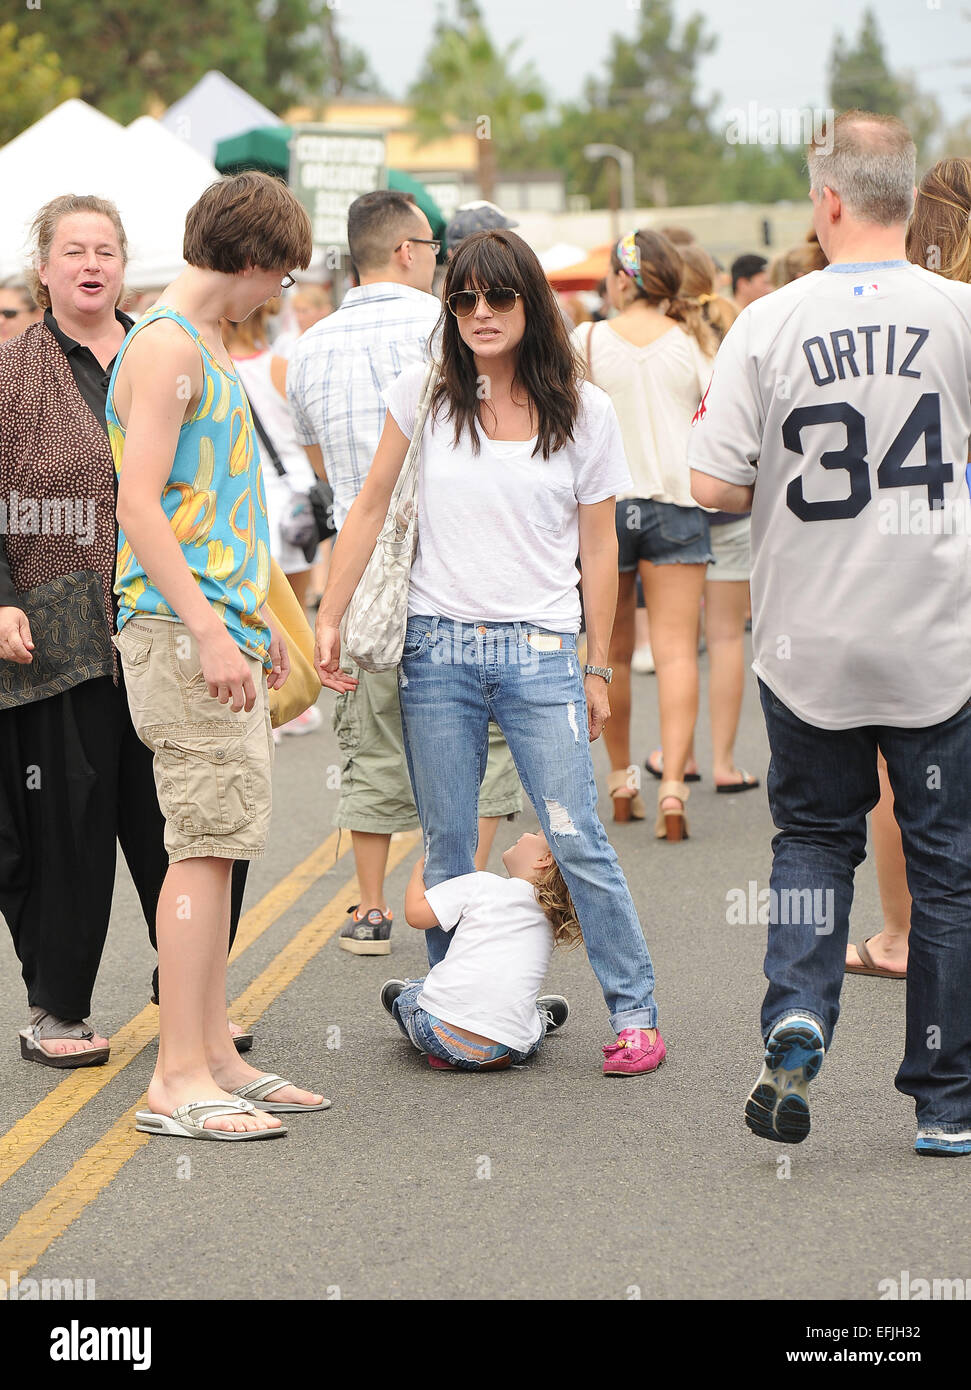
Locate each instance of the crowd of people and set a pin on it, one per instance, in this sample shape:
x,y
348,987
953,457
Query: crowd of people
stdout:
x,y
565,455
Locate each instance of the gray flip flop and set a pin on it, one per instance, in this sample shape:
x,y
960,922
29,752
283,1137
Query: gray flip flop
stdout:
x,y
257,1091
188,1121
32,1051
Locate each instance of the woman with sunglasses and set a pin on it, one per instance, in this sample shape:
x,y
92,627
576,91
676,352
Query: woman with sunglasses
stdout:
x,y
18,309
521,464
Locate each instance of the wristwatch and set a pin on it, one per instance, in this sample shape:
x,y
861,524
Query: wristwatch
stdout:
x,y
606,671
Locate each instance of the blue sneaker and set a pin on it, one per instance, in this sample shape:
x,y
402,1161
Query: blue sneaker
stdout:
x,y
937,1141
778,1108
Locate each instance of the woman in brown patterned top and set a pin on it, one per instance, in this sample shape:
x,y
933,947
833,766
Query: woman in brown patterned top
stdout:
x,y
74,777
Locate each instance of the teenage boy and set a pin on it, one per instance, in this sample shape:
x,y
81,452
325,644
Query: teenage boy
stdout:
x,y
194,637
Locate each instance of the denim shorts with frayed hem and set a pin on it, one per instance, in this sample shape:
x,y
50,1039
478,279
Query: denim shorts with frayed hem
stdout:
x,y
661,533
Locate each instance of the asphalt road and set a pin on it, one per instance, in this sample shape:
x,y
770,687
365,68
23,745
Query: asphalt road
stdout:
x,y
545,1182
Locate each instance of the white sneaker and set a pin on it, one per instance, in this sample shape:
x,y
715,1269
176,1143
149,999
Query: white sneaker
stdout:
x,y
305,723
642,662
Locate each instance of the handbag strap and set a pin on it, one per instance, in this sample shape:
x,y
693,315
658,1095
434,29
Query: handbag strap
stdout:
x,y
590,354
267,442
407,478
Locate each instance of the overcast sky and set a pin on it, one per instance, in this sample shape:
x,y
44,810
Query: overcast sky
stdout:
x,y
772,53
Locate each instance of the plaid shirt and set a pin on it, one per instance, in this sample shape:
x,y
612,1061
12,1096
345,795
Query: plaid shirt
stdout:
x,y
340,368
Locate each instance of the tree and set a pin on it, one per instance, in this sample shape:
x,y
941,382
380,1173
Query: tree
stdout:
x,y
860,78
647,103
126,55
466,81
306,59
31,81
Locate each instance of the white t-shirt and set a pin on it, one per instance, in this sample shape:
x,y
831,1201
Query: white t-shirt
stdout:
x,y
655,390
498,533
845,398
497,960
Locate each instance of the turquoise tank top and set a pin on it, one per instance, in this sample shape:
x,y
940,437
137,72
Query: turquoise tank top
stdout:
x,y
214,501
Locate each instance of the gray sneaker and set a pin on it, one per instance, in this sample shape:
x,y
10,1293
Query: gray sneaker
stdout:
x,y
369,936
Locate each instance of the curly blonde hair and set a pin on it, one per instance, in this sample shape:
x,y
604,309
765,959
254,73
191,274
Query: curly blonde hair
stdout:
x,y
554,898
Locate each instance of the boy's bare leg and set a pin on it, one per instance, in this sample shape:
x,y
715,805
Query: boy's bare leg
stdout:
x,y
193,935
225,1063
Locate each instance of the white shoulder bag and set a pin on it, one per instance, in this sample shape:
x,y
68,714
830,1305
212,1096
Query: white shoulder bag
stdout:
x,y
373,629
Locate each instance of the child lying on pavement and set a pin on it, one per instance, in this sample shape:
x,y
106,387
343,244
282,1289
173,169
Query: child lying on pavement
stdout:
x,y
478,1010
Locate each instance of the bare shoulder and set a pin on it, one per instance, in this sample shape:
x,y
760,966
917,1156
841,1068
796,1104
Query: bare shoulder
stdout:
x,y
161,343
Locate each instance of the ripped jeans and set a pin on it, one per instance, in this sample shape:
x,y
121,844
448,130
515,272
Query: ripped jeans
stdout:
x,y
454,678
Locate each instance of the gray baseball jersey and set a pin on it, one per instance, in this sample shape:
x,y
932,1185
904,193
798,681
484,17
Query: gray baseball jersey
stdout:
x,y
845,397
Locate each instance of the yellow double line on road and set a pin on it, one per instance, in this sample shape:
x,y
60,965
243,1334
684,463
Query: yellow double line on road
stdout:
x,y
101,1163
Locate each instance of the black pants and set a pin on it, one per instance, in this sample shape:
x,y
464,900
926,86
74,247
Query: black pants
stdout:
x,y
76,781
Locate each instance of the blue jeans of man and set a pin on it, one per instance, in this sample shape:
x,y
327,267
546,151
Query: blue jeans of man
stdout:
x,y
821,785
454,678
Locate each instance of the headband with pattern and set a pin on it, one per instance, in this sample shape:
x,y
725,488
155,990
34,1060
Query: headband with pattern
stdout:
x,y
629,256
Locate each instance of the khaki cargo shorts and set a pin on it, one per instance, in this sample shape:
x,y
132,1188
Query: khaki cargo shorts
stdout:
x,y
376,793
212,767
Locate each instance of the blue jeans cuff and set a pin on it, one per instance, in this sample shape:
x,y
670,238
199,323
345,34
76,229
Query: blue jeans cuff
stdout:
x,y
636,1018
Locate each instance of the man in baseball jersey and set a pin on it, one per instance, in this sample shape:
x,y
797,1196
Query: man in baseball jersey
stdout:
x,y
840,412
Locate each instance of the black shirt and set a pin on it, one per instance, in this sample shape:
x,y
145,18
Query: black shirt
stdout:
x,y
91,378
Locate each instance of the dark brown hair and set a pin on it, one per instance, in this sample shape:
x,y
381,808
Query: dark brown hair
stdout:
x,y
938,235
547,367
249,219
376,223
44,229
661,271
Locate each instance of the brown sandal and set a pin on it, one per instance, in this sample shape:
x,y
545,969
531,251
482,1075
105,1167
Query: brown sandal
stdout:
x,y
868,966
672,825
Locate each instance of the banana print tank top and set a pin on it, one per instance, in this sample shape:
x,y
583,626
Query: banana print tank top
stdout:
x,y
214,501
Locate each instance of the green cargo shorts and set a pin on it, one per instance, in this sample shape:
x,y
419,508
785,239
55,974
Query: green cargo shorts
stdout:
x,y
376,791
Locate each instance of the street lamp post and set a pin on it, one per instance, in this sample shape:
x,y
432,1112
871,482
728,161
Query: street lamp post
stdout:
x,y
625,161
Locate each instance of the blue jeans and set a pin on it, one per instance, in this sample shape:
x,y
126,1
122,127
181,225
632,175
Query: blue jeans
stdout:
x,y
430,1034
454,678
821,785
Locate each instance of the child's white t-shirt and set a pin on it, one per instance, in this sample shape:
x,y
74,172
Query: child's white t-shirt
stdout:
x,y
498,532
497,960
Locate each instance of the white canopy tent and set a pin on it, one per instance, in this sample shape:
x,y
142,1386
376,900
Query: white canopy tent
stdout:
x,y
215,109
152,176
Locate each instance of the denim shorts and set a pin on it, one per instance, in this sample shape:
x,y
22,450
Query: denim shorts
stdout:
x,y
430,1034
661,533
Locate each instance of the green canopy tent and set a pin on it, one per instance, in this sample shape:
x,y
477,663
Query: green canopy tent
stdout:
x,y
268,148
